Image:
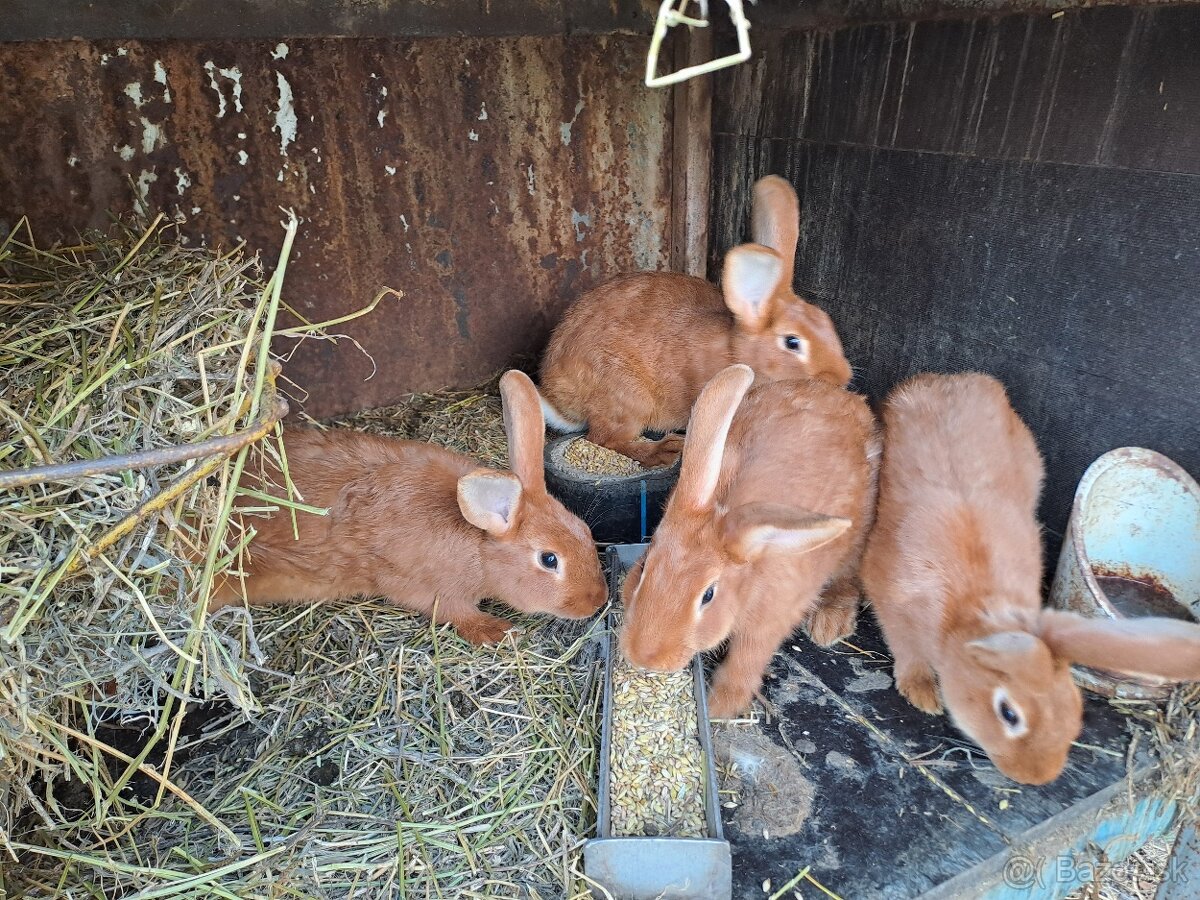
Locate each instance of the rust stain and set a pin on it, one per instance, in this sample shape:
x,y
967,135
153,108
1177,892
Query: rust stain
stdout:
x,y
491,180
1138,592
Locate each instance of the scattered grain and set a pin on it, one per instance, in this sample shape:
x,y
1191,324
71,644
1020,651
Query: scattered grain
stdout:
x,y
656,762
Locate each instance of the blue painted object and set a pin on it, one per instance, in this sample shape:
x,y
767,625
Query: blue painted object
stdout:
x,y
1029,877
645,535
1134,533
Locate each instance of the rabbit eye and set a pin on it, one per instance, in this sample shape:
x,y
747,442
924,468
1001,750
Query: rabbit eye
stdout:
x,y
793,343
1009,714
707,597
549,561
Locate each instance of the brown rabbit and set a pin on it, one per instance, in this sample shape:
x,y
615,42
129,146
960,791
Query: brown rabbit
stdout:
x,y
427,528
773,504
953,569
633,353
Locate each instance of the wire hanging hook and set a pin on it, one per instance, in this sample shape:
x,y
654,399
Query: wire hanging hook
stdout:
x,y
672,13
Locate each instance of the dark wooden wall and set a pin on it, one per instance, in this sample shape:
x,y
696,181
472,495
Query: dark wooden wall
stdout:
x,y
1016,195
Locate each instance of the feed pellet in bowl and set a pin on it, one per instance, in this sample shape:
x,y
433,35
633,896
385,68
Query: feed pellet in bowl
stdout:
x,y
656,764
582,454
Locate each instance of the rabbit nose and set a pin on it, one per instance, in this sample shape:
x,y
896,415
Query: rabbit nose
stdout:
x,y
1035,772
664,660
653,655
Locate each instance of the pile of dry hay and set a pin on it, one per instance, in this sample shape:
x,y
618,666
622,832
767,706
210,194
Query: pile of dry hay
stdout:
x,y
347,747
117,345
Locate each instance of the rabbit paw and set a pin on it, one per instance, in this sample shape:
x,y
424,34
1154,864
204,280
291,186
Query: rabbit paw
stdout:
x,y
727,701
484,629
919,687
658,454
827,625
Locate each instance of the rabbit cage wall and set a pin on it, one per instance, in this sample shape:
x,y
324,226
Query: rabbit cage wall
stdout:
x,y
489,165
1008,185
1015,194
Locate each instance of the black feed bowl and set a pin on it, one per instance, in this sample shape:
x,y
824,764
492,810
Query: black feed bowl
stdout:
x,y
611,505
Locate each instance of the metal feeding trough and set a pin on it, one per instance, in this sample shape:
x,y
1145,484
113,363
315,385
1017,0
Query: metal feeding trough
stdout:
x,y
1132,549
641,868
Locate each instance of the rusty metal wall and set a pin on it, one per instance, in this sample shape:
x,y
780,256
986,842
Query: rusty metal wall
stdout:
x,y
26,20
491,180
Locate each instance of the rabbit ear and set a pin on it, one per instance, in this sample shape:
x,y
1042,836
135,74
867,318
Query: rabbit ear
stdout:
x,y
751,276
1159,647
490,500
526,429
754,528
1006,652
775,220
708,428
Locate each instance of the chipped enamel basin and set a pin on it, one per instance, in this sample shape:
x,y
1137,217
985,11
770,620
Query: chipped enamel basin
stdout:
x,y
1132,548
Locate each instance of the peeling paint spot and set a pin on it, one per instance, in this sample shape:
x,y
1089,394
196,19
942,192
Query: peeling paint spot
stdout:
x,y
472,135
237,197
144,180
564,130
312,188
241,135
152,136
382,115
280,51
391,170
182,181
125,152
531,181
133,91
383,90
279,177
243,157
72,160
482,112
195,210
581,223
234,75
404,222
285,116
160,75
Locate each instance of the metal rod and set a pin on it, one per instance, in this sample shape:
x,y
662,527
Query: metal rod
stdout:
x,y
162,500
86,468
